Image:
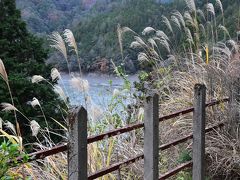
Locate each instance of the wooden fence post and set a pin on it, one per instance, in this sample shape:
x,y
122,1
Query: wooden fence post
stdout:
x,y
77,146
199,132
151,138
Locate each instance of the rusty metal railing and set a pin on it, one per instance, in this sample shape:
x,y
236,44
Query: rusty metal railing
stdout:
x,y
91,139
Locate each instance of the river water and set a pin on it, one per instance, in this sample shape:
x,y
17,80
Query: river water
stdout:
x,y
100,88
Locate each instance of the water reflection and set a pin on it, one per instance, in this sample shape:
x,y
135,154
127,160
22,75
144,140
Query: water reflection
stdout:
x,y
100,88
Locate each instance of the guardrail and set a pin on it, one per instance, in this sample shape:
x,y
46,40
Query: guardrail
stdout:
x,y
78,140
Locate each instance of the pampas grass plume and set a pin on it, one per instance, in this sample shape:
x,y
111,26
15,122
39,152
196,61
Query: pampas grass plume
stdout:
x,y
55,75
167,23
116,93
10,126
70,40
35,127
162,34
1,123
142,57
219,4
148,30
3,72
191,5
210,8
8,107
35,102
57,89
140,114
135,44
57,42
80,84
37,79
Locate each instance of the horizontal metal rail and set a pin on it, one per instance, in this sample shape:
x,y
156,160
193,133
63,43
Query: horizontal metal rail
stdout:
x,y
57,149
115,132
181,140
190,109
190,136
114,167
129,128
44,153
176,170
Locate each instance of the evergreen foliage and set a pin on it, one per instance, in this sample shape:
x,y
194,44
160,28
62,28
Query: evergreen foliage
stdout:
x,y
23,56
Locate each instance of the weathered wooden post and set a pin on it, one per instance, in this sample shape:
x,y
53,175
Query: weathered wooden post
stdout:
x,y
151,138
77,146
199,115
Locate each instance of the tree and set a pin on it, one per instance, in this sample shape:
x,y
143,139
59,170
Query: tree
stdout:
x,y
24,56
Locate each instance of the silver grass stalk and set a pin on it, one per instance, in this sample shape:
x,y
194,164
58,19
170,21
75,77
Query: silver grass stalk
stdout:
x,y
175,20
6,107
35,102
165,44
140,114
135,44
96,112
1,123
116,93
37,79
127,29
35,127
210,8
189,35
152,42
120,33
167,23
140,41
233,44
188,18
224,29
219,4
57,42
180,17
70,40
55,74
3,72
148,30
10,126
201,13
191,5
162,34
120,39
4,75
142,57
60,92
202,29
80,84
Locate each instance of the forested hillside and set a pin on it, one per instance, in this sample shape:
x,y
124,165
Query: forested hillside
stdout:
x,y
94,23
98,37
51,15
